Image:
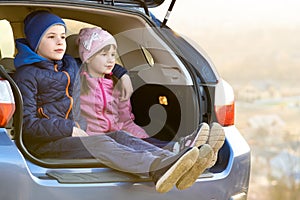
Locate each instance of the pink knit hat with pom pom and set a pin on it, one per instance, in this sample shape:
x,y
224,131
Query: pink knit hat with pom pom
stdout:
x,y
92,40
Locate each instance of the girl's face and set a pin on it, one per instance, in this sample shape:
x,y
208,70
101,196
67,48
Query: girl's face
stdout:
x,y
102,62
53,43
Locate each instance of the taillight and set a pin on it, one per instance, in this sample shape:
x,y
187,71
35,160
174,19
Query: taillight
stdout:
x,y
7,103
225,114
224,103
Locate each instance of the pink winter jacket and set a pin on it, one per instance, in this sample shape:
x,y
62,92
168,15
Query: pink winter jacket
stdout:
x,y
103,110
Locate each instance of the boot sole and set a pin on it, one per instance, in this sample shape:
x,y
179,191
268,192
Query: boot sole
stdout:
x,y
171,177
204,159
202,135
216,140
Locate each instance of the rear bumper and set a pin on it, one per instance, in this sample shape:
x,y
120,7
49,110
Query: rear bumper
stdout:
x,y
220,186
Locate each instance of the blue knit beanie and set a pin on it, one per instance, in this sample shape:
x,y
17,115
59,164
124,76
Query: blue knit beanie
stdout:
x,y
36,24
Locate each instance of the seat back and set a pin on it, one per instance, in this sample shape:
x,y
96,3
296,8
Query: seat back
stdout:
x,y
72,45
8,64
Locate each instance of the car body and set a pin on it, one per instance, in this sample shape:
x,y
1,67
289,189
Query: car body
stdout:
x,y
176,87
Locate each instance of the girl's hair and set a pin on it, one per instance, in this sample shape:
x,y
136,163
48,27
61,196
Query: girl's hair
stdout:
x,y
85,88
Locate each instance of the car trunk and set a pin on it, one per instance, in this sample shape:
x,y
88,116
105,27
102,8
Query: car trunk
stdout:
x,y
173,83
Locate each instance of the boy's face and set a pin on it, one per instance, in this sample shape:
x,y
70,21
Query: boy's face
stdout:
x,y
102,62
53,43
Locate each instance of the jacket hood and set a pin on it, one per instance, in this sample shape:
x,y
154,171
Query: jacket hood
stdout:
x,y
25,55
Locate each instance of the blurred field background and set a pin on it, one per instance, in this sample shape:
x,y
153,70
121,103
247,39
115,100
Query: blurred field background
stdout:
x,y
254,45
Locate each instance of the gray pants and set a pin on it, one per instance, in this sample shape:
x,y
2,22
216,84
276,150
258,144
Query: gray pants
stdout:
x,y
118,150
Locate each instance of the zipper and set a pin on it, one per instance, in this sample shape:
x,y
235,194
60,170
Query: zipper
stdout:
x,y
68,95
41,112
104,104
67,90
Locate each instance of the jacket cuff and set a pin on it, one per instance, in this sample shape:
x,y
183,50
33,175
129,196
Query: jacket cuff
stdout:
x,y
118,71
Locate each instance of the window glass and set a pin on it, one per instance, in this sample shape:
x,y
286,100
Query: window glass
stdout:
x,y
148,56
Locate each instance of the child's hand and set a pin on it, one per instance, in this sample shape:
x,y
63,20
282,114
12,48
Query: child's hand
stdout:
x,y
77,132
126,88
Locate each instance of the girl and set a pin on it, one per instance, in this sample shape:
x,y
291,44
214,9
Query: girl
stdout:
x,y
100,104
52,128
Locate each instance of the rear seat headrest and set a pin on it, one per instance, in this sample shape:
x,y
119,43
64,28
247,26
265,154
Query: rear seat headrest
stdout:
x,y
72,46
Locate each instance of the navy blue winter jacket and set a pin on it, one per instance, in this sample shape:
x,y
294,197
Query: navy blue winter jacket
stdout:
x,y
47,87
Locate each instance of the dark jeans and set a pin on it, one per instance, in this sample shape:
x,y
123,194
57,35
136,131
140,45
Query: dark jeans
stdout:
x,y
160,143
117,150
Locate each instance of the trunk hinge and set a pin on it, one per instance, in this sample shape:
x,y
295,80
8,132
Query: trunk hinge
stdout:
x,y
168,14
143,3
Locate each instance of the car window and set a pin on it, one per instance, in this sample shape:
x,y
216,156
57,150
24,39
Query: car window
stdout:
x,y
148,56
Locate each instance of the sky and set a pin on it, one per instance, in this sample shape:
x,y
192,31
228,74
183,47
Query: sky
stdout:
x,y
237,12
244,35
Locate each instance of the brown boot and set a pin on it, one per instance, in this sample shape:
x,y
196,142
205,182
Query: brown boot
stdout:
x,y
202,163
195,139
216,140
166,177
